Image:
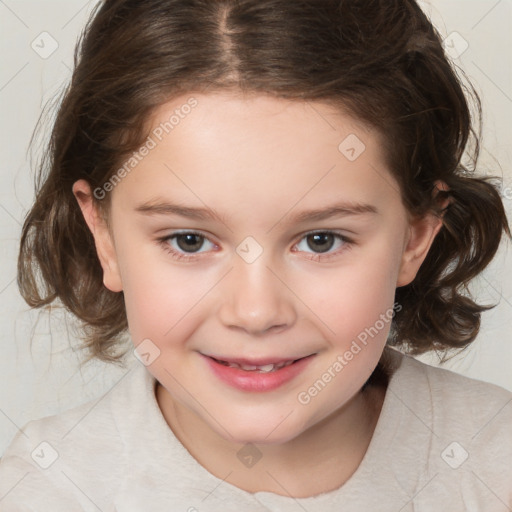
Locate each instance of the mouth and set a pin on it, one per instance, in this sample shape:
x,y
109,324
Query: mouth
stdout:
x,y
260,368
257,375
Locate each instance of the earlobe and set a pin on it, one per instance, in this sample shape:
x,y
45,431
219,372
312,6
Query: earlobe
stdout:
x,y
102,238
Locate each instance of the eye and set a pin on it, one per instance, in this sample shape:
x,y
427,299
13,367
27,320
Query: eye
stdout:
x,y
321,242
184,245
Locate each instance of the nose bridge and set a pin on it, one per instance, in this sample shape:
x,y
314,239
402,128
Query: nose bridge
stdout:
x,y
254,298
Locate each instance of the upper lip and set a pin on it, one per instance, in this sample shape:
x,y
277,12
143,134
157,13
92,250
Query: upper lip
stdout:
x,y
256,362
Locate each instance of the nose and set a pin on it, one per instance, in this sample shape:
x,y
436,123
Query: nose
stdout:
x,y
256,299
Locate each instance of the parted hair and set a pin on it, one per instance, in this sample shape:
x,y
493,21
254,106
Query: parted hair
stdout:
x,y
381,61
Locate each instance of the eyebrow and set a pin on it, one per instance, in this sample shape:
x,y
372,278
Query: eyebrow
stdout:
x,y
336,210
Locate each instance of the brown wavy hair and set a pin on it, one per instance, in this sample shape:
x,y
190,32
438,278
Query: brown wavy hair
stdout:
x,y
381,61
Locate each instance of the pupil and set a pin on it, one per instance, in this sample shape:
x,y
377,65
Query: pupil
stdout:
x,y
191,242
324,240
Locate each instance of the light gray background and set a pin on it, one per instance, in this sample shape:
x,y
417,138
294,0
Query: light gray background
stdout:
x,y
47,379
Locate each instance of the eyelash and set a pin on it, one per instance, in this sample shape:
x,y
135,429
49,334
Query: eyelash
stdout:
x,y
180,256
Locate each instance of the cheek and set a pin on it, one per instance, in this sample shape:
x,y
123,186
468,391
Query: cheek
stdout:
x,y
353,297
161,299
356,315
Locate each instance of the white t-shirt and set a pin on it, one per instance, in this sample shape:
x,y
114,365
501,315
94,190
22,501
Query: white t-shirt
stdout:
x,y
443,442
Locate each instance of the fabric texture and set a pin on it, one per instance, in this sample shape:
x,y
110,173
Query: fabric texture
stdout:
x,y
442,442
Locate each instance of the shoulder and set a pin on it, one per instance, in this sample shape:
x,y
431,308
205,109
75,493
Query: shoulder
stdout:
x,y
461,427
58,457
446,399
452,394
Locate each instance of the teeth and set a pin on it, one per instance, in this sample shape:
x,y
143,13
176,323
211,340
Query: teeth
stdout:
x,y
267,368
248,367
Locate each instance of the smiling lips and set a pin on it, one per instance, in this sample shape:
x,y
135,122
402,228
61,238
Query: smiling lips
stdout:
x,y
257,375
266,365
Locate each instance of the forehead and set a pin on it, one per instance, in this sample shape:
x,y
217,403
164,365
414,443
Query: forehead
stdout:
x,y
262,117
240,151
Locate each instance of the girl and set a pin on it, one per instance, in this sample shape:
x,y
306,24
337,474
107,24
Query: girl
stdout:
x,y
269,198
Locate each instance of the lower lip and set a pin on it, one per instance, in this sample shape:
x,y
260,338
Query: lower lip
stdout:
x,y
254,380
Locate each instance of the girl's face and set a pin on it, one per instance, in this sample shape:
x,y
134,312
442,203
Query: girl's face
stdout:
x,y
258,231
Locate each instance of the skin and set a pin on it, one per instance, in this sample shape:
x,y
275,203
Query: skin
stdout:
x,y
257,162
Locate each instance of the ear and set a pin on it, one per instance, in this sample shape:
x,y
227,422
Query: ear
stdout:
x,y
421,235
102,237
